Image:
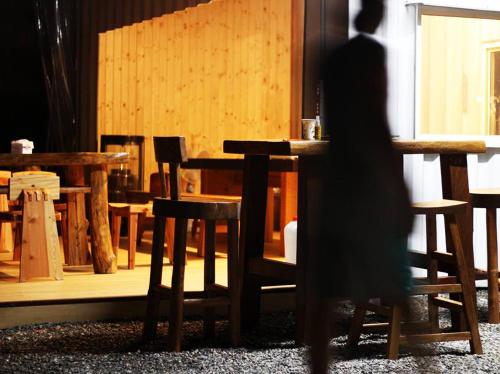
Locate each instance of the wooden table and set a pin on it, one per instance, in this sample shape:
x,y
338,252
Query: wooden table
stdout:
x,y
258,271
102,253
282,174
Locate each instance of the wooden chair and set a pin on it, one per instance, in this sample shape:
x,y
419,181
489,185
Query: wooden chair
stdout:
x,y
459,282
490,199
6,239
172,150
39,250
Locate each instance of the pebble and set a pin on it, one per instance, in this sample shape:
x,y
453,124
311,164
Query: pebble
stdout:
x,y
108,347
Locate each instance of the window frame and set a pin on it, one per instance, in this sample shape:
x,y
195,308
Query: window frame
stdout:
x,y
460,8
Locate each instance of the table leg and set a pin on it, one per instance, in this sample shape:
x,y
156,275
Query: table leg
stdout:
x,y
455,185
252,218
78,251
310,200
102,250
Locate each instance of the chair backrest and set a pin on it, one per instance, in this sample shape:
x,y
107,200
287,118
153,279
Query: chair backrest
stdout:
x,y
171,150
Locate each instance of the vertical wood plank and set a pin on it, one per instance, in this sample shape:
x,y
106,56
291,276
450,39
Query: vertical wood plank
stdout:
x,y
108,119
117,81
123,125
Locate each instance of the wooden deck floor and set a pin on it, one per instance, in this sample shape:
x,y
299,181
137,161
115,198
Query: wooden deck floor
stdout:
x,y
81,285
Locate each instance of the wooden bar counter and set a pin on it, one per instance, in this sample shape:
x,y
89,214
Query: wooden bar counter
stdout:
x,y
104,260
258,271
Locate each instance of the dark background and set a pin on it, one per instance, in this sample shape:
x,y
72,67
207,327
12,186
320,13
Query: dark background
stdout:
x,y
23,100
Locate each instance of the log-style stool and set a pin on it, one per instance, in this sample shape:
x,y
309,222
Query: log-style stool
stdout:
x,y
489,198
459,282
172,150
39,255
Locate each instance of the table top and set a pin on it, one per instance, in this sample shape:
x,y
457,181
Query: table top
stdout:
x,y
318,147
283,164
63,159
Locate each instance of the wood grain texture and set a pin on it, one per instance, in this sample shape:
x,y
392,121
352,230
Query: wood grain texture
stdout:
x,y
102,250
311,147
61,159
199,72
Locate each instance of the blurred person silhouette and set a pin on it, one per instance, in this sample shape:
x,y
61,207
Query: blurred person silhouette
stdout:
x,y
367,216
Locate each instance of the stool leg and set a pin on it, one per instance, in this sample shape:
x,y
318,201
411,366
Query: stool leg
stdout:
x,y
394,333
432,271
491,230
356,326
64,232
234,281
177,295
116,221
140,228
153,301
132,239
468,291
209,277
18,239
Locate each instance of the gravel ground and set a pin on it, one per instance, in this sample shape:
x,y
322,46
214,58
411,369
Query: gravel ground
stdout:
x,y
109,347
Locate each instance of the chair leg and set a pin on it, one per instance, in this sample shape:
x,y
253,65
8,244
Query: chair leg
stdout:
x,y
177,295
169,239
140,228
394,333
209,277
493,299
432,271
18,240
116,221
201,239
64,232
468,290
153,300
356,326
234,282
132,239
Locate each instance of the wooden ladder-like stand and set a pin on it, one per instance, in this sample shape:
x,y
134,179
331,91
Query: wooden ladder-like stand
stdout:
x,y
40,255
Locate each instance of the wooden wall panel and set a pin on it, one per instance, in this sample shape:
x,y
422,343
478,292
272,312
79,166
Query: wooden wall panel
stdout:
x,y
215,71
99,16
454,94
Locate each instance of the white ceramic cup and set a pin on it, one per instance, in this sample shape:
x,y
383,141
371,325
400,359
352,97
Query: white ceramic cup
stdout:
x,y
308,126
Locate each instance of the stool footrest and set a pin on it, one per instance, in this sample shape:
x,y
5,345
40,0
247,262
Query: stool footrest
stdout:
x,y
444,302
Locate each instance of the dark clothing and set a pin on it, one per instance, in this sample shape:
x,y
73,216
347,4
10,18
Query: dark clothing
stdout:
x,y
367,216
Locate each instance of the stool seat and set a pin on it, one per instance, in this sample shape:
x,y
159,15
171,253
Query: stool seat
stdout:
x,y
197,208
485,197
442,206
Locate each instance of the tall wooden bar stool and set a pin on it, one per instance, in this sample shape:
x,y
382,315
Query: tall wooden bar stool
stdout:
x,y
458,282
489,198
172,150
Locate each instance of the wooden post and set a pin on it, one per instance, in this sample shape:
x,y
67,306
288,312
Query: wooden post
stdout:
x,y
103,257
78,251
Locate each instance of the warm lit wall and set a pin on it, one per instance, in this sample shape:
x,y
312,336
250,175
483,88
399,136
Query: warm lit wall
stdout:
x,y
221,70
454,74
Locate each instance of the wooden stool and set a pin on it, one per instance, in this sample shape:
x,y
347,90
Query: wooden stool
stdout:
x,y
490,199
451,262
132,213
6,242
173,151
40,255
